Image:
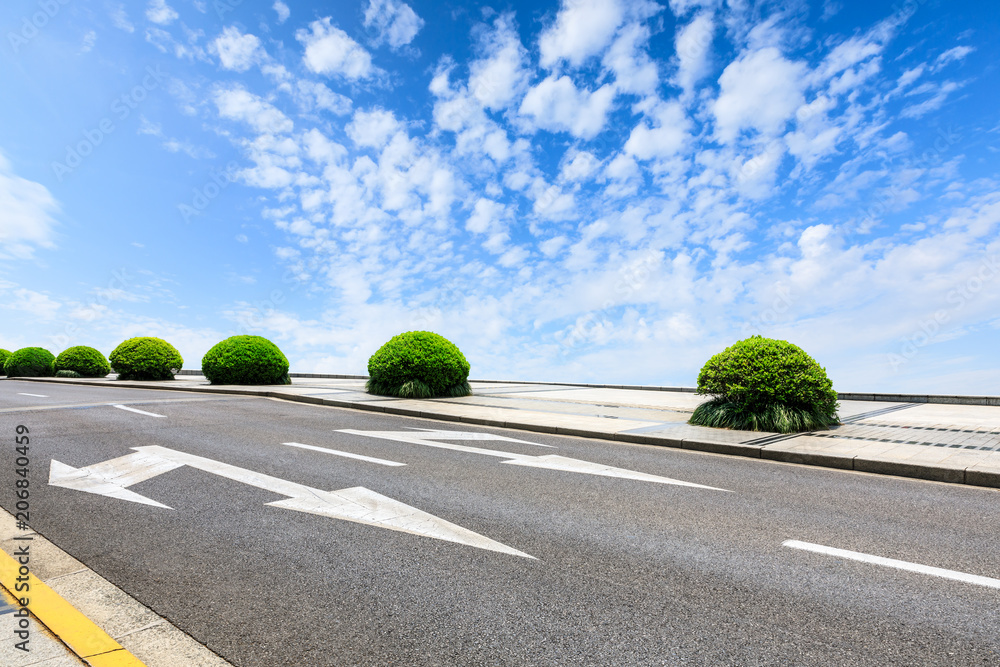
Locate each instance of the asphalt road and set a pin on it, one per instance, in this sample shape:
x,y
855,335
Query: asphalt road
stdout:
x,y
624,572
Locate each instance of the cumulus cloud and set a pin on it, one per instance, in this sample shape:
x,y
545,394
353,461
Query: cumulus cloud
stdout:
x,y
665,138
282,10
236,103
372,129
330,50
236,51
556,104
160,12
394,22
28,214
760,91
693,45
583,28
499,76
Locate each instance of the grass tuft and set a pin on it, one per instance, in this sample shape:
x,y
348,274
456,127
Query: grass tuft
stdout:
x,y
774,417
414,389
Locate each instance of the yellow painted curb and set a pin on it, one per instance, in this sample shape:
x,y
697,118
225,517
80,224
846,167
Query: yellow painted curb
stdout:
x,y
83,636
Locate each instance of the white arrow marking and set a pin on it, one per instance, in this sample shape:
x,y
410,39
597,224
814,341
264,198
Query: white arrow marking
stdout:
x,y
356,504
551,461
891,562
21,393
110,478
337,452
139,412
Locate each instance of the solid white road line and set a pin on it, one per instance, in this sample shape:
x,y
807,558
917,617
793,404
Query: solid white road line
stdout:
x,y
21,393
898,564
336,452
139,412
550,462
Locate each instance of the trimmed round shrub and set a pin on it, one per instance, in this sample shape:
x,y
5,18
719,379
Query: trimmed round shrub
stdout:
x,y
245,360
30,362
418,364
3,359
762,384
85,361
68,374
145,358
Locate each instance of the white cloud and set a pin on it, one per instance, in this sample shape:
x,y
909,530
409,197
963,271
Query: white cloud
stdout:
x,y
28,214
160,12
761,90
933,103
237,103
952,55
236,51
556,104
312,94
578,165
582,28
496,79
282,10
693,45
119,19
665,139
89,40
372,128
634,71
485,216
329,50
396,22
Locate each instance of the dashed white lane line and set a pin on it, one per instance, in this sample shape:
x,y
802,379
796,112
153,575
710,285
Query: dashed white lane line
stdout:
x,y
21,393
898,564
336,452
139,412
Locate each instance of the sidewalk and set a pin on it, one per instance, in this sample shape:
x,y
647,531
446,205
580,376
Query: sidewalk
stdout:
x,y
936,441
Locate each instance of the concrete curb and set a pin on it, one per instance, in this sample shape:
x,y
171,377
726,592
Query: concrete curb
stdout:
x,y
952,475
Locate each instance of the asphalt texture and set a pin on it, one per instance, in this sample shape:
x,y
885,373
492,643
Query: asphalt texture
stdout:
x,y
626,572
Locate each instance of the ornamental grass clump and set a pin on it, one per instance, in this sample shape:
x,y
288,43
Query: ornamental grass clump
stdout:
x,y
145,358
82,360
30,362
762,384
245,360
418,364
4,354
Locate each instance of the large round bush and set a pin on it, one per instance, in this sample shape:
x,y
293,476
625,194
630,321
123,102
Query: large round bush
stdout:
x,y
245,360
3,359
145,358
762,384
86,361
30,362
418,364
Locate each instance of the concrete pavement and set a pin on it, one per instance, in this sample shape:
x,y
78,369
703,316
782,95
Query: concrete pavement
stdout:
x,y
946,442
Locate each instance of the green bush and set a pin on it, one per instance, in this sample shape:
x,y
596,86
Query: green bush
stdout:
x,y
245,360
418,364
86,361
69,374
3,358
762,384
145,358
30,362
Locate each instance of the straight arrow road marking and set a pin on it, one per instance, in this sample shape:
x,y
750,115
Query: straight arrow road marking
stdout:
x,y
897,564
336,452
550,462
21,393
138,412
357,504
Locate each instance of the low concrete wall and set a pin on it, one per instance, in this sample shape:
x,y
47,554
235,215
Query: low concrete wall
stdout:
x,y
844,396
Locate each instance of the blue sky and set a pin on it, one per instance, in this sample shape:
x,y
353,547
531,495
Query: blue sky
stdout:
x,y
586,190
